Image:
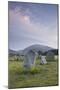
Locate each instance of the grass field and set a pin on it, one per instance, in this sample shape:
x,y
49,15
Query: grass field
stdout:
x,y
40,75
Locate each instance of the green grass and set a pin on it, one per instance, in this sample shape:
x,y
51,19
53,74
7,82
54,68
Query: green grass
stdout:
x,y
40,75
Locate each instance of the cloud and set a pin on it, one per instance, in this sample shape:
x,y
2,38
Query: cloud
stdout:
x,y
21,26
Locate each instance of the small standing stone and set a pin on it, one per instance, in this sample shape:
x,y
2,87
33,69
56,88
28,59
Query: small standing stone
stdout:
x,y
43,60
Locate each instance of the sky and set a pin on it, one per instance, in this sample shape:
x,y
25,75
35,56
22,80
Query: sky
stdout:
x,y
32,23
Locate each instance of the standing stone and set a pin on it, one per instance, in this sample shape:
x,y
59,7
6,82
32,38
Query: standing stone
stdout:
x,y
29,59
43,60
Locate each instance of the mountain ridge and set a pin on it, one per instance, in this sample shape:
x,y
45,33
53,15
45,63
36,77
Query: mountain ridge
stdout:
x,y
35,47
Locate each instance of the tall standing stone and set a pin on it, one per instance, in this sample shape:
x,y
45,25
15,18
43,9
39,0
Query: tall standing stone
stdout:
x,y
29,59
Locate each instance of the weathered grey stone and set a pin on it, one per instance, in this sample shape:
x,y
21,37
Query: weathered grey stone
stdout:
x,y
30,58
43,60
